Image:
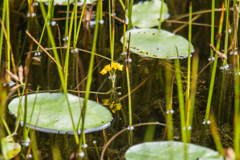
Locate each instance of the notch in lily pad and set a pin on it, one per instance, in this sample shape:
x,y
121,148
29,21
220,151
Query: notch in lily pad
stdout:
x,y
51,113
170,150
156,43
146,14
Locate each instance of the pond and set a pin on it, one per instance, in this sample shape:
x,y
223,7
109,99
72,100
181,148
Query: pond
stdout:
x,y
202,88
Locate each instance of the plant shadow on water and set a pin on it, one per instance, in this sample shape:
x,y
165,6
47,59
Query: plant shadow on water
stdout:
x,y
154,81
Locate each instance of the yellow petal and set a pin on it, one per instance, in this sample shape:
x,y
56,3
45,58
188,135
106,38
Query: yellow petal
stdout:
x,y
103,72
111,105
114,110
119,66
108,68
114,65
118,106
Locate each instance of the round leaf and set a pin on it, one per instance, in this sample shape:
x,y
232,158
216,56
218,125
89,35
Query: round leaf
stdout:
x,y
51,113
59,2
65,2
147,14
170,150
157,43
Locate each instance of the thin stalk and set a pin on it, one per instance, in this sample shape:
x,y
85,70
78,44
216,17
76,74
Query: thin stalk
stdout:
x,y
79,24
236,127
8,34
66,24
110,28
129,90
160,19
129,6
216,138
210,93
180,99
89,79
113,30
188,101
192,95
96,149
168,93
44,26
212,26
68,46
1,32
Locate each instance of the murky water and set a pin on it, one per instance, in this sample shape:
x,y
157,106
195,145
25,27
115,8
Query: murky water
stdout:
x,y
149,100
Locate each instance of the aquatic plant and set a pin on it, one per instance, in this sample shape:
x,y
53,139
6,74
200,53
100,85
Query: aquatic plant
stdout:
x,y
157,90
156,43
48,113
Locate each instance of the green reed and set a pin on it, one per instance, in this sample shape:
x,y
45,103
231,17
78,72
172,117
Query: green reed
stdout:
x,y
52,41
213,74
1,30
237,86
79,24
187,97
90,70
212,26
110,28
180,99
168,92
191,100
129,6
68,46
216,138
8,34
223,78
160,19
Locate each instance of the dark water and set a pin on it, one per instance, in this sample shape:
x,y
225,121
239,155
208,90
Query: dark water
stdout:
x,y
147,100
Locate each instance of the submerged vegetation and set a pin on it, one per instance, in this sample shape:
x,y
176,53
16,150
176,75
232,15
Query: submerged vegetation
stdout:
x,y
62,95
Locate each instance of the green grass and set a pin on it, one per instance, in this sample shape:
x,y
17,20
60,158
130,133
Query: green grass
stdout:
x,y
179,88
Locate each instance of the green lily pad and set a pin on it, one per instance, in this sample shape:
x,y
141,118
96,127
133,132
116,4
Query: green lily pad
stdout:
x,y
88,1
52,115
65,2
157,43
147,14
59,2
170,150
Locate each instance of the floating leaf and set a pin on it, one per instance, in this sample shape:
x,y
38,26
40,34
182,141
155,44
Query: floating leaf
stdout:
x,y
157,43
65,2
59,2
88,1
9,148
170,150
52,115
147,14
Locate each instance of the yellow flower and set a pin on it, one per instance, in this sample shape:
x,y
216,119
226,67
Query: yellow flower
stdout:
x,y
116,66
114,107
118,106
106,69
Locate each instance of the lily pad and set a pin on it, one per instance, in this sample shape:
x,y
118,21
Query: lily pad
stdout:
x,y
59,2
170,150
156,43
51,113
65,2
147,14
